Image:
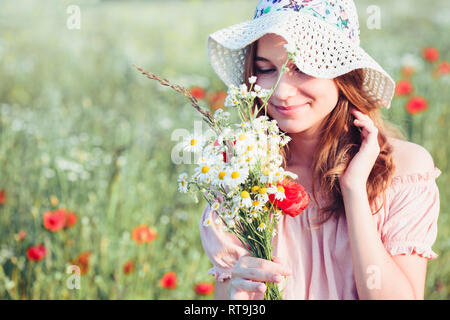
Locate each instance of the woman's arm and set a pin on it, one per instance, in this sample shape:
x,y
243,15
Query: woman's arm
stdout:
x,y
378,275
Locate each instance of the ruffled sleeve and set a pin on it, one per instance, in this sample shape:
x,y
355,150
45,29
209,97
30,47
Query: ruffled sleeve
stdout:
x,y
222,248
411,223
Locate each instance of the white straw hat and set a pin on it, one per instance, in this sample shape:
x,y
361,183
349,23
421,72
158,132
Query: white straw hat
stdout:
x,y
325,33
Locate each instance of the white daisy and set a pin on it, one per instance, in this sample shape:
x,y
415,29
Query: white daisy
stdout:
x,y
205,171
194,143
278,191
252,79
208,222
237,175
253,213
262,227
244,199
215,206
183,183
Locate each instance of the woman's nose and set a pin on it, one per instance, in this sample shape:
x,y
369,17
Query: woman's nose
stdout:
x,y
285,88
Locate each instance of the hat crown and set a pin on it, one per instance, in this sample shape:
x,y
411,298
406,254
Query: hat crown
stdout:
x,y
341,14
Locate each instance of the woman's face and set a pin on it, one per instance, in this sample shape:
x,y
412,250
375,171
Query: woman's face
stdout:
x,y
309,99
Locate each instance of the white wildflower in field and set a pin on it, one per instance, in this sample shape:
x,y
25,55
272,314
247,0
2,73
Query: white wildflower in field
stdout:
x,y
183,183
193,143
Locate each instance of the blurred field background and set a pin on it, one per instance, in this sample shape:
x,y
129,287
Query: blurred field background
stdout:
x,y
81,129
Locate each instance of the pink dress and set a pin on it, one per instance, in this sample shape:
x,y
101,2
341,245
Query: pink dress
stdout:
x,y
320,257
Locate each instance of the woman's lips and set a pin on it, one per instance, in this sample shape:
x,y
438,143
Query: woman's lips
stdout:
x,y
290,110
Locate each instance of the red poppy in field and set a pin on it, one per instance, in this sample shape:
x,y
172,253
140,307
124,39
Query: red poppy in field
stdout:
x,y
21,235
443,68
416,105
407,71
82,261
36,253
403,88
143,234
204,288
54,220
71,219
430,54
169,280
217,99
296,200
2,197
197,92
128,267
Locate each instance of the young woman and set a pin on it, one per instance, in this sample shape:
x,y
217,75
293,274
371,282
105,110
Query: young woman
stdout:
x,y
369,231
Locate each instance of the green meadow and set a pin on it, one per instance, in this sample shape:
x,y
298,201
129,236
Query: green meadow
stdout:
x,y
82,129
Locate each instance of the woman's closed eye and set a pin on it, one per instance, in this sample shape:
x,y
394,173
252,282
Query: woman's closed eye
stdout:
x,y
266,71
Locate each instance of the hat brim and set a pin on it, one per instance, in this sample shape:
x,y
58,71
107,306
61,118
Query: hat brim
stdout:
x,y
323,51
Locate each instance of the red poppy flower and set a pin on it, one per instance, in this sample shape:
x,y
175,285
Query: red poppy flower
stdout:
x,y
54,220
197,92
217,99
431,54
443,68
407,71
128,267
2,197
71,219
21,235
83,262
296,200
169,280
143,234
403,88
416,105
204,288
36,253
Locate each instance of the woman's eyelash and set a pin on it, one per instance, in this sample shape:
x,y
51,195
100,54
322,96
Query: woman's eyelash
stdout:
x,y
264,71
296,69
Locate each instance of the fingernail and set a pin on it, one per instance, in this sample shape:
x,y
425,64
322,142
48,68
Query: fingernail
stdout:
x,y
262,287
277,278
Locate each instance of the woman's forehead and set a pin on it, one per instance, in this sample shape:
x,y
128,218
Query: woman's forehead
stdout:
x,y
270,48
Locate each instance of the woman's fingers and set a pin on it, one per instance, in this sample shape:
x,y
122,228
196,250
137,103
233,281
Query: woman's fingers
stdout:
x,y
248,285
270,266
257,274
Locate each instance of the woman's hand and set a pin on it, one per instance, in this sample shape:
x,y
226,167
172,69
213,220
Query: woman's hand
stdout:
x,y
250,273
356,174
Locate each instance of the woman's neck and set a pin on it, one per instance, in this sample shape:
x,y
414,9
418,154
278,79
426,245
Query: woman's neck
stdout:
x,y
301,149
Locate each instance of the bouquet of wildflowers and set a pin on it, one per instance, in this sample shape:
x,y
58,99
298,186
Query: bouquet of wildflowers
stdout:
x,y
240,172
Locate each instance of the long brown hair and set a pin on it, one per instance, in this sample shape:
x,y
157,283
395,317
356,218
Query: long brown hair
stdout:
x,y
340,141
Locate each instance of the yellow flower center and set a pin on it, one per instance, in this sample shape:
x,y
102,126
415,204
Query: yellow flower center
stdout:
x,y
222,175
194,142
255,203
245,194
255,189
262,191
280,188
205,169
250,147
266,172
235,174
242,136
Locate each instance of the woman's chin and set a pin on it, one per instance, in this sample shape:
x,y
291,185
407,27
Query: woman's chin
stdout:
x,y
290,126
